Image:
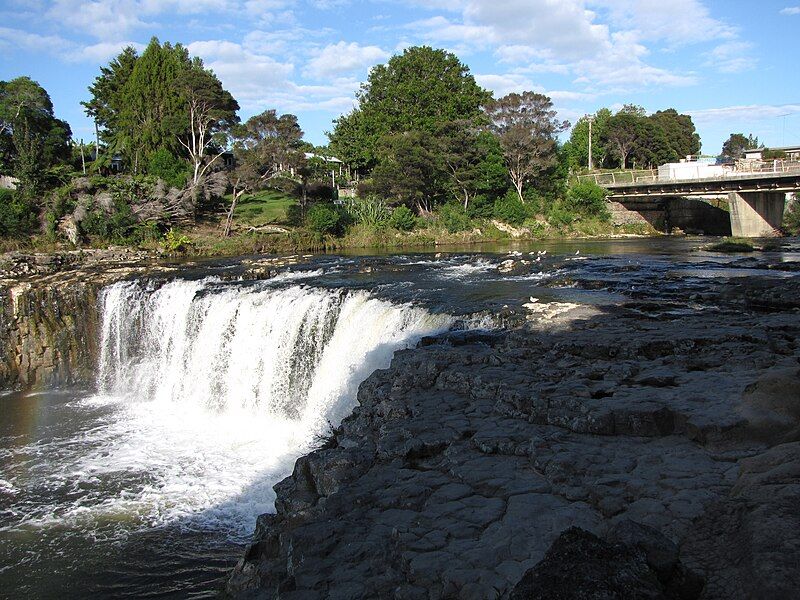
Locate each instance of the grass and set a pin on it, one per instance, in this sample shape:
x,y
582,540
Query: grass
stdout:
x,y
268,207
732,244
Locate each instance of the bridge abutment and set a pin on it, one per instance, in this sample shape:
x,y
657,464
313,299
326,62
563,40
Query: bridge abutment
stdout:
x,y
756,214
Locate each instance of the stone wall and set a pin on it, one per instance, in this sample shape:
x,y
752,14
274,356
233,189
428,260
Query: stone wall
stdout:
x,y
48,335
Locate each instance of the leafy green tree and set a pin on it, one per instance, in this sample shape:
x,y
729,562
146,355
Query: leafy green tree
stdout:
x,y
420,90
34,140
410,170
623,131
652,147
106,103
526,126
578,146
163,99
679,131
736,144
265,145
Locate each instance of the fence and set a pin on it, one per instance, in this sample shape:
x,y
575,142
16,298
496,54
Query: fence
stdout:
x,y
741,168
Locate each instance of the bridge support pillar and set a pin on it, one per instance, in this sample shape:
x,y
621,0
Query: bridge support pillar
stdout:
x,y
756,214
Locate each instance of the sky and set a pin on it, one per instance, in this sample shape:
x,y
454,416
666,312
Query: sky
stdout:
x,y
731,64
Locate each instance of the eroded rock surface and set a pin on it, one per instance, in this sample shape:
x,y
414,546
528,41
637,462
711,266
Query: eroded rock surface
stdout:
x,y
468,457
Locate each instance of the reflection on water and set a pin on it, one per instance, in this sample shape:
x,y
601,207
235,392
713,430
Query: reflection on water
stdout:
x,y
208,390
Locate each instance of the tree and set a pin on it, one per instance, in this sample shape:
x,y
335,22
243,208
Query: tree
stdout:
x,y
578,145
526,126
622,132
681,137
264,146
410,169
420,90
737,143
212,110
33,138
161,100
106,103
462,157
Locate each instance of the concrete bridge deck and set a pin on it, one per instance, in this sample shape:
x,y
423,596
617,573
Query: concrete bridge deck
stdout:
x,y
757,199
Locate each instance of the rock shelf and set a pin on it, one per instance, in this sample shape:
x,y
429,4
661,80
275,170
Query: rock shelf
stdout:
x,y
473,453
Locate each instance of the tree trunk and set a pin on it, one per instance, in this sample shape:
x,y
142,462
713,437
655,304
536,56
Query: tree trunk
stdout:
x,y
229,218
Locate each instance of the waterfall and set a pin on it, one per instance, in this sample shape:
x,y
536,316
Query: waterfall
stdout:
x,y
290,351
220,386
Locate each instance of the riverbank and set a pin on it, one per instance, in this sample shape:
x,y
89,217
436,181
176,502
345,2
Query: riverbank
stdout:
x,y
672,418
206,240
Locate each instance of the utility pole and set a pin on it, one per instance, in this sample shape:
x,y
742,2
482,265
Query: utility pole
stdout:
x,y
590,119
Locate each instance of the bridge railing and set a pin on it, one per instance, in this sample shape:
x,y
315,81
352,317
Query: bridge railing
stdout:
x,y
615,177
742,168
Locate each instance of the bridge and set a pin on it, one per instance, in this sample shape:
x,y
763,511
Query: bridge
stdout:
x,y
755,190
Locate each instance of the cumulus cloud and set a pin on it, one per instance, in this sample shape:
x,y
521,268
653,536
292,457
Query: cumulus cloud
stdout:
x,y
791,10
342,57
252,78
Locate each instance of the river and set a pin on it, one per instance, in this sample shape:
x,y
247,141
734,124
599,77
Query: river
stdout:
x,y
207,390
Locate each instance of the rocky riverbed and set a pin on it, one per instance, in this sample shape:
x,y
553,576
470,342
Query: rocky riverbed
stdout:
x,y
667,431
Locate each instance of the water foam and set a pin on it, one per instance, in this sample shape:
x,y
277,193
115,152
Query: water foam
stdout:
x,y
212,390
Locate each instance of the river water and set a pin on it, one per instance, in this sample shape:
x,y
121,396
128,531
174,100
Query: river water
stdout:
x,y
207,390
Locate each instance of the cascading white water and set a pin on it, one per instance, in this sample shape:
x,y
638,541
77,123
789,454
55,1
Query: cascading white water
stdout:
x,y
221,386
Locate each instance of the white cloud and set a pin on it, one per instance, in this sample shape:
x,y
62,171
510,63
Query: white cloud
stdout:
x,y
60,47
732,57
791,10
674,21
342,57
252,78
562,36
749,112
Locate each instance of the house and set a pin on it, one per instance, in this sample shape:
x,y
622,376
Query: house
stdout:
x,y
791,152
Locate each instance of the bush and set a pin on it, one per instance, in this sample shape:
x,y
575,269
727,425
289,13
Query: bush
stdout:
x,y
370,211
17,217
324,218
561,213
165,165
453,218
403,218
116,226
791,219
510,209
588,199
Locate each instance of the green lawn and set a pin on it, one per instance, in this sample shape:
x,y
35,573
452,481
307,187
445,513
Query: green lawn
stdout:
x,y
267,207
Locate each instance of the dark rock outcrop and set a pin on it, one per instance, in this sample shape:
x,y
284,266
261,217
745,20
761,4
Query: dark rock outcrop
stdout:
x,y
467,458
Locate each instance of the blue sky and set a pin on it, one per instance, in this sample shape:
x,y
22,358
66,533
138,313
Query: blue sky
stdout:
x,y
731,64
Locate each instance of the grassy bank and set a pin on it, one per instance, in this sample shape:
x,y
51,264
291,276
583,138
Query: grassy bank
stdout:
x,y
270,222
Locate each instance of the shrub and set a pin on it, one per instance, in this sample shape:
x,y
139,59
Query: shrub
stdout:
x,y
588,199
510,209
17,217
370,211
403,218
115,226
324,218
561,213
453,218
176,242
165,165
791,219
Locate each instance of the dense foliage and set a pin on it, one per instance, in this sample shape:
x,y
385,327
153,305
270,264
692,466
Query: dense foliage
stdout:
x,y
631,138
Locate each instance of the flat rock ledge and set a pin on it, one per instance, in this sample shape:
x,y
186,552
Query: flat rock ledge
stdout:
x,y
473,453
